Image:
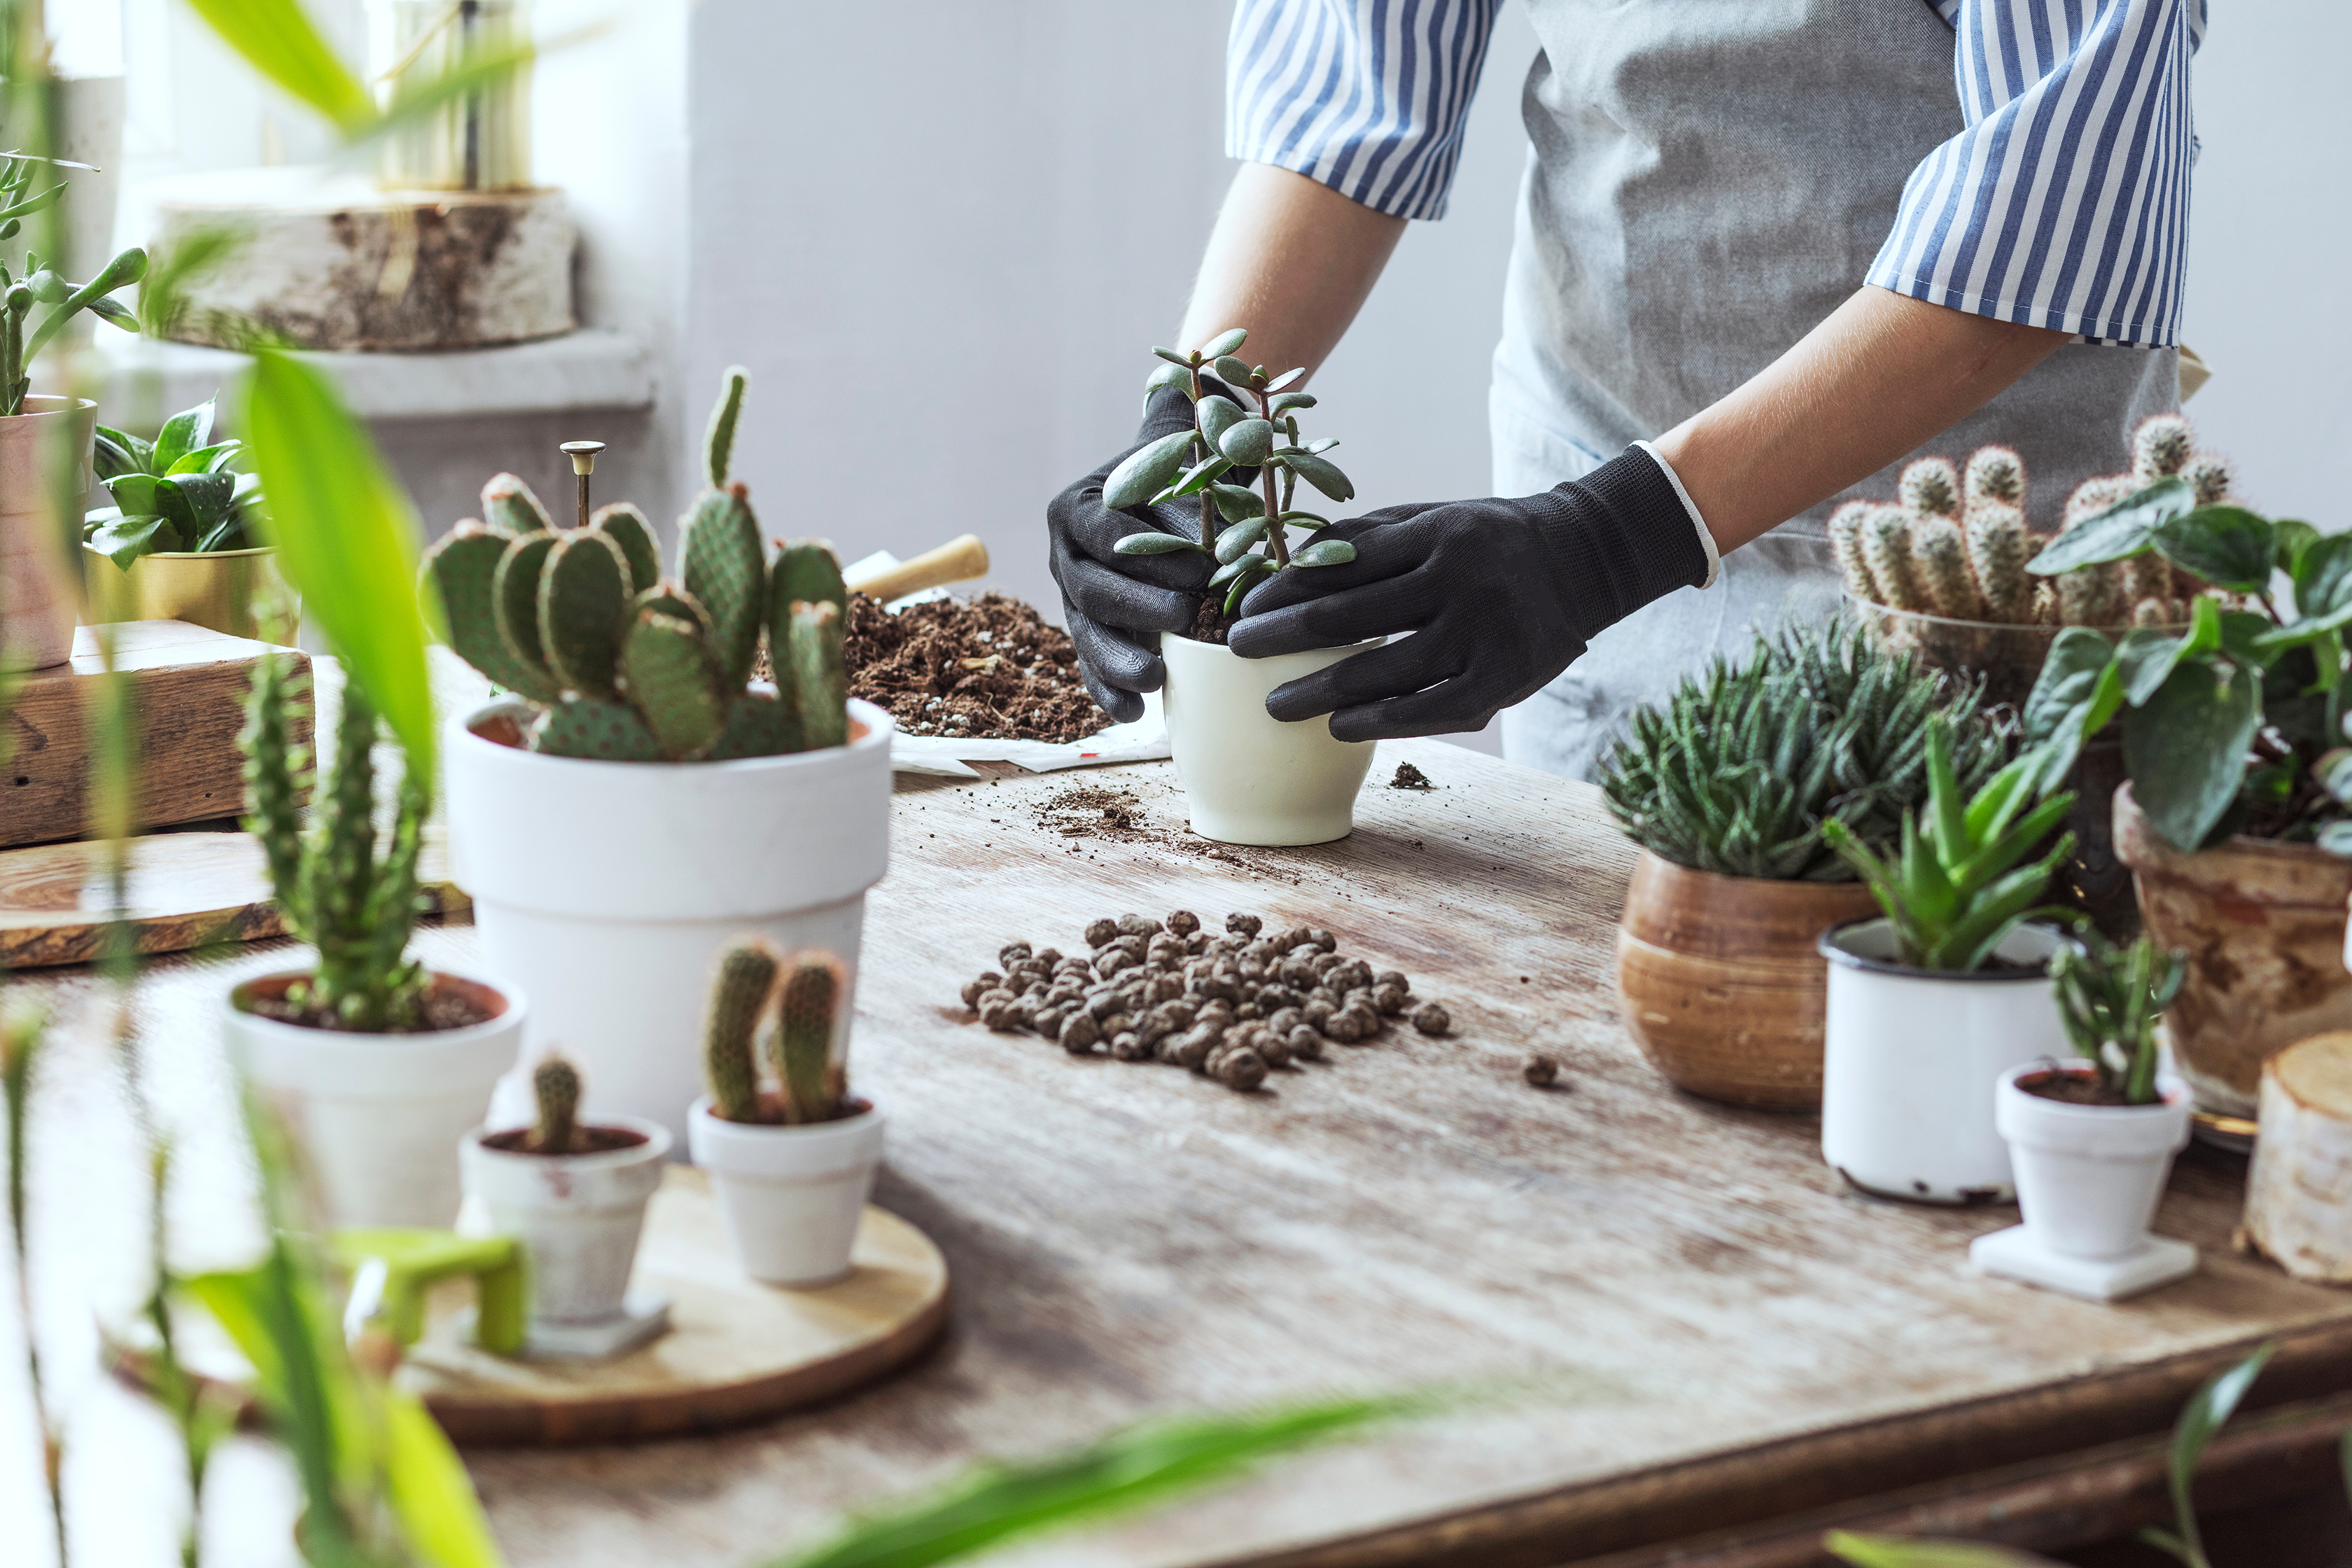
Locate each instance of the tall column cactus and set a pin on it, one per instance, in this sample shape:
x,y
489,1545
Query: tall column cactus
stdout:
x,y
627,665
555,1092
807,1003
739,989
353,900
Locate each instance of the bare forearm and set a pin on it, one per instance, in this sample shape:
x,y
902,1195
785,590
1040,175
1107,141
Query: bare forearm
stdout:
x,y
1291,260
1881,376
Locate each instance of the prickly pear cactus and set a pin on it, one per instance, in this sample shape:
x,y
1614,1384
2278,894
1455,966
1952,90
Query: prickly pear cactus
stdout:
x,y
725,569
594,730
757,725
464,567
583,593
555,1087
806,1005
509,508
673,681
820,684
739,989
626,526
515,597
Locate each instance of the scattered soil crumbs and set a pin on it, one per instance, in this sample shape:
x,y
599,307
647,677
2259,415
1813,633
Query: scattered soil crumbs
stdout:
x,y
987,669
1410,777
444,1008
1089,811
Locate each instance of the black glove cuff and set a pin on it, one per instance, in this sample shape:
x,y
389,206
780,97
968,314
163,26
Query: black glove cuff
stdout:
x,y
1625,539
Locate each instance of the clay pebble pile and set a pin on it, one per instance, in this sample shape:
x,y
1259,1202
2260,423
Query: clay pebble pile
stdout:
x,y
1230,1007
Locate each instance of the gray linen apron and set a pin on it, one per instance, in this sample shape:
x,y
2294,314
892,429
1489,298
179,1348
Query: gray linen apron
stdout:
x,y
1708,179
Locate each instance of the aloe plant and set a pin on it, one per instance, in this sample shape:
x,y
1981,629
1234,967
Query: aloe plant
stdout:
x,y
179,493
1248,531
2110,998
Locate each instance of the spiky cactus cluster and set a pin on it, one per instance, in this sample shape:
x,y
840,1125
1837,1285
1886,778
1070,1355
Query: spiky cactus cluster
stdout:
x,y
627,666
555,1090
797,1001
336,889
1956,545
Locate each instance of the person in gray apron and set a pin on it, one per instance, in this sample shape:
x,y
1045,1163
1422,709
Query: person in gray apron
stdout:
x,y
1764,255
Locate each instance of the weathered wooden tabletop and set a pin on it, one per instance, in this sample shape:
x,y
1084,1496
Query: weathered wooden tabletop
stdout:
x,y
1707,1328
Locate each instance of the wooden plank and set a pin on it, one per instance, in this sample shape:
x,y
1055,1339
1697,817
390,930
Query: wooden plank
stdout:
x,y
187,686
1704,1330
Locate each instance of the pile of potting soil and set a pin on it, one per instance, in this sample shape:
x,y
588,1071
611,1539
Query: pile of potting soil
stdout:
x,y
989,668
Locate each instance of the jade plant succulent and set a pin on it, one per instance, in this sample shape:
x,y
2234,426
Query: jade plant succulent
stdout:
x,y
625,664
1736,772
339,889
794,1002
1248,531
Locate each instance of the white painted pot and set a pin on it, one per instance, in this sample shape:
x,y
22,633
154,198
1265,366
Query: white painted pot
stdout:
x,y
607,889
2089,1176
378,1116
792,1196
1911,1057
578,1215
36,571
1248,777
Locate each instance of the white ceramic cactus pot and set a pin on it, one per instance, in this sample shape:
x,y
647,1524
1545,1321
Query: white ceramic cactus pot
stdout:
x,y
378,1117
578,1215
1911,1057
791,1196
607,889
2089,1176
1248,777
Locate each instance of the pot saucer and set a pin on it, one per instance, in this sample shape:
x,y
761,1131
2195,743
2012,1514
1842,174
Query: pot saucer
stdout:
x,y
2017,1255
641,1318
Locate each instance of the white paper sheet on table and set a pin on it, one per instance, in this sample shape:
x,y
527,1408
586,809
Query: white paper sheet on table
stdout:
x,y
1144,741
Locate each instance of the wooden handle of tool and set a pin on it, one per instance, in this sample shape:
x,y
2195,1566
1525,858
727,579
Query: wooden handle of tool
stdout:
x,y
956,561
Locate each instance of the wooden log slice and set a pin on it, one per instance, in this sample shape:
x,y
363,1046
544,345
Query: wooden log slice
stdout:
x,y
2299,1191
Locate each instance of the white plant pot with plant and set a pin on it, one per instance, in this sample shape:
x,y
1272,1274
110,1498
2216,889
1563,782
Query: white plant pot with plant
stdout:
x,y
1249,777
575,1193
1931,1002
640,802
791,1165
376,1065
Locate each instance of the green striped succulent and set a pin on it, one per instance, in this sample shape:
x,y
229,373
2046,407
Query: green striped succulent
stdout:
x,y
627,666
1738,770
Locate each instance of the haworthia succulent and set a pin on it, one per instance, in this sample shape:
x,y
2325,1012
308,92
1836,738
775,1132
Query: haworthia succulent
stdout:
x,y
719,441
583,599
515,591
509,508
724,566
673,678
626,526
594,730
820,685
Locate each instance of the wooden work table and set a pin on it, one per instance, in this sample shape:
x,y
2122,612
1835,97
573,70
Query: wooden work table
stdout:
x,y
1708,1339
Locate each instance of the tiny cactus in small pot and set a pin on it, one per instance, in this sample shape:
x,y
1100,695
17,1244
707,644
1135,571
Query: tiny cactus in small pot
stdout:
x,y
791,1158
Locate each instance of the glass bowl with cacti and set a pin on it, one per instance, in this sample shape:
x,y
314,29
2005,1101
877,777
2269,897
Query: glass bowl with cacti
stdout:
x,y
1945,570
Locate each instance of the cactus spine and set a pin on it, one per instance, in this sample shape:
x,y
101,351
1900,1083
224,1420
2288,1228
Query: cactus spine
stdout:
x,y
625,666
806,1005
1845,547
740,990
1887,548
555,1088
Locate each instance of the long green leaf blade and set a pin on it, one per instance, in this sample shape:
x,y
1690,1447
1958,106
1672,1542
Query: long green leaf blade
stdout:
x,y
276,38
1893,1552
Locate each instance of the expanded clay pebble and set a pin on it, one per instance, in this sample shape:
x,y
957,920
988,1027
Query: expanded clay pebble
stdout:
x,y
1232,1008
1541,1070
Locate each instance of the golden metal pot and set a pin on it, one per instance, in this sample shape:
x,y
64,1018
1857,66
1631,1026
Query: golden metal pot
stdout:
x,y
240,591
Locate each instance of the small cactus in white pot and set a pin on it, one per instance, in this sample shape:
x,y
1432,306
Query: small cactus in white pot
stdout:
x,y
790,1155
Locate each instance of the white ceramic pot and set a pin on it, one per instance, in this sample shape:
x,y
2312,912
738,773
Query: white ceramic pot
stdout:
x,y
578,1215
378,1116
36,572
1248,777
792,1196
607,889
1911,1057
2089,1176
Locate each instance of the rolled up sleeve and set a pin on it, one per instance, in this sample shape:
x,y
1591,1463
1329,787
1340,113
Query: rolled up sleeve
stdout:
x,y
2063,202
1368,97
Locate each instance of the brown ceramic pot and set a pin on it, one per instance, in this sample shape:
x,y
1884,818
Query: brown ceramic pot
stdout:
x,y
2263,925
1720,981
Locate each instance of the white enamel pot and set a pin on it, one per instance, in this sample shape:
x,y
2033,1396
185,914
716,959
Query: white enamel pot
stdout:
x,y
791,1196
1248,777
378,1117
607,889
2089,1176
578,1215
1911,1057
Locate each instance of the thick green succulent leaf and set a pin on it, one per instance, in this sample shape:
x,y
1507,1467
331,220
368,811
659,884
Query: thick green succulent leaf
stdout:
x,y
820,682
1224,342
134,493
183,432
674,681
670,599
2323,580
1323,475
1237,538
1249,577
2124,530
1246,443
1232,371
2228,546
509,507
126,538
626,526
583,600
209,459
461,572
1289,401
515,598
1199,476
1324,552
725,567
1285,378
2186,748
1154,544
806,571
1172,356
757,725
1215,416
595,729
112,452
1167,375
1237,503
1239,566
1146,470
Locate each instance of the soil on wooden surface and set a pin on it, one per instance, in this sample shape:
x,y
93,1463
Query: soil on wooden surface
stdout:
x,y
989,668
1086,812
2072,1087
1410,777
594,1141
446,1008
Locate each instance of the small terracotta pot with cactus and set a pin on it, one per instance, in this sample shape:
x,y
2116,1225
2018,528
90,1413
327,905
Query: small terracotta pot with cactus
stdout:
x,y
790,1155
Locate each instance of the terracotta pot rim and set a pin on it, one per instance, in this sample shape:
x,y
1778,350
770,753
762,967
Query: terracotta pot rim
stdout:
x,y
1757,887
2236,844
1827,943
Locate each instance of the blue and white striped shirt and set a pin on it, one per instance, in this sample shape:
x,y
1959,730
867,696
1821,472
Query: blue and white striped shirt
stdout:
x,y
2062,203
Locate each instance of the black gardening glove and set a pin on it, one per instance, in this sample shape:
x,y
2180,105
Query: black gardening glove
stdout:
x,y
1500,596
1117,605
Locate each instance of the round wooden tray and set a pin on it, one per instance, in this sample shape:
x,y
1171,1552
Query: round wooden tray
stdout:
x,y
736,1351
